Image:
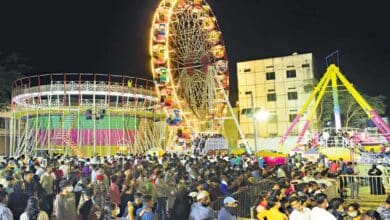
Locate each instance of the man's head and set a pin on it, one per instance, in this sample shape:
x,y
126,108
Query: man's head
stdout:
x,y
138,198
214,182
66,186
230,202
148,201
28,176
321,200
203,197
295,203
3,196
114,179
9,177
313,186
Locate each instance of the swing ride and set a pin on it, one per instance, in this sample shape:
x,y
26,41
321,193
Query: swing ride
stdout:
x,y
334,78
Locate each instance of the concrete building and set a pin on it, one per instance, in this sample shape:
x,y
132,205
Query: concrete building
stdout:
x,y
279,85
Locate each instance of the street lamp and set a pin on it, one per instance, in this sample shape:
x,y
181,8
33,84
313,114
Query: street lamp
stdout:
x,y
261,115
254,120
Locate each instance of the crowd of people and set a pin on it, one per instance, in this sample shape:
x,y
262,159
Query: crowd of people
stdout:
x,y
173,187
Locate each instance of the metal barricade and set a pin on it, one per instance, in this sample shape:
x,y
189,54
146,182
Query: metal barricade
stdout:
x,y
364,186
246,197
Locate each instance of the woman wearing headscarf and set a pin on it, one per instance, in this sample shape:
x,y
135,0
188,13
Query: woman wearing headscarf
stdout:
x,y
376,186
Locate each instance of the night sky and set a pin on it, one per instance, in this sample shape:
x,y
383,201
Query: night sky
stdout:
x,y
112,36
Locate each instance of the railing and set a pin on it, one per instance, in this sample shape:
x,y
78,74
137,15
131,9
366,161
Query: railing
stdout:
x,y
38,88
364,186
246,197
353,139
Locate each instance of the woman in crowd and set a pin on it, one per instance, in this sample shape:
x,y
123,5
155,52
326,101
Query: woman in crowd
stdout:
x,y
273,206
353,212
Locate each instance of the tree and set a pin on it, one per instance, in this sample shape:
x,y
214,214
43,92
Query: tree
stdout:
x,y
350,111
12,67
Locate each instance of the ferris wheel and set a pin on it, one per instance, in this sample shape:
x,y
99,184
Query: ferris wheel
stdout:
x,y
189,65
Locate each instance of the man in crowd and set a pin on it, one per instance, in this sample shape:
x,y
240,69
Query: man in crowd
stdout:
x,y
5,212
229,211
299,212
384,210
65,203
201,209
319,212
146,212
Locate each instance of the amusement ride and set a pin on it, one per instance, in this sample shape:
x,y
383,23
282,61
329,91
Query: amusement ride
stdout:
x,y
190,67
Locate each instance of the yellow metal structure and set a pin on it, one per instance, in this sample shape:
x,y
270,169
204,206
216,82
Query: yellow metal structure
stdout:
x,y
332,75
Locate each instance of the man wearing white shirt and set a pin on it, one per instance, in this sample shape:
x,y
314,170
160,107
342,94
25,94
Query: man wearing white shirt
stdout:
x,y
320,212
299,212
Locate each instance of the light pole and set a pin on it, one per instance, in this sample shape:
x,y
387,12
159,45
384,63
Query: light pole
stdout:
x,y
254,119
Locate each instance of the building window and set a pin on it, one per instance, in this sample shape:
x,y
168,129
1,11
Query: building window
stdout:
x,y
270,75
291,117
2,123
248,111
247,70
305,65
292,95
291,74
271,97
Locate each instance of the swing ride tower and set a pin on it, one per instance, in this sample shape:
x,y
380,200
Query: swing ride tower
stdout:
x,y
84,114
333,78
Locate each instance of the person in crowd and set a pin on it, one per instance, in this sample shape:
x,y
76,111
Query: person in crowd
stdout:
x,y
47,182
261,206
375,179
101,191
110,211
182,204
371,215
353,212
5,212
229,210
18,200
146,212
200,209
337,208
135,205
129,187
33,212
384,210
273,212
65,202
214,189
115,196
88,210
319,212
10,182
299,211
163,191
